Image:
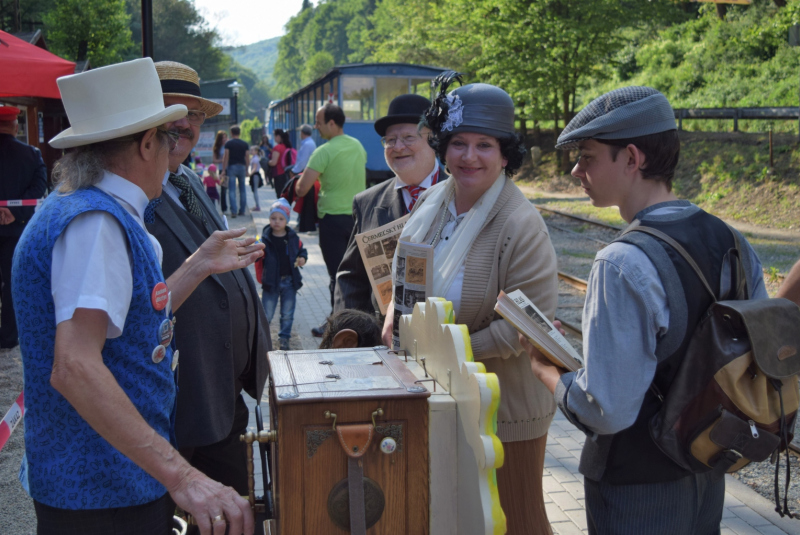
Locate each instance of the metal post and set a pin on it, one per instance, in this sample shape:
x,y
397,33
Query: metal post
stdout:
x,y
147,28
235,108
771,161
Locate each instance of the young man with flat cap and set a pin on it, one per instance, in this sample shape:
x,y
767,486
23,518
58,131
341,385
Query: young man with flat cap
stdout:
x,y
642,305
23,175
224,335
96,323
406,149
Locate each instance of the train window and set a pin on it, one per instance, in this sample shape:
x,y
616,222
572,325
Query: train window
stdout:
x,y
421,86
388,88
335,90
358,98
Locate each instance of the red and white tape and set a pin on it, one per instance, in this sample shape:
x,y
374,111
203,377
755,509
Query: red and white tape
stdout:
x,y
11,419
22,202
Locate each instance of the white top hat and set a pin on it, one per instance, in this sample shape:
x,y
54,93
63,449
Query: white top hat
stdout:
x,y
113,102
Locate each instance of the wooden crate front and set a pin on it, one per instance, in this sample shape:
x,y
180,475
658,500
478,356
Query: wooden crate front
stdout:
x,y
303,484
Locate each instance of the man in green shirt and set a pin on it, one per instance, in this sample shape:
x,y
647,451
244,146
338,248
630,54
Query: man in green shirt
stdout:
x,y
340,166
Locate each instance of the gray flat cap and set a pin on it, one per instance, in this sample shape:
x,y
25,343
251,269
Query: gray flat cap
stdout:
x,y
624,113
480,108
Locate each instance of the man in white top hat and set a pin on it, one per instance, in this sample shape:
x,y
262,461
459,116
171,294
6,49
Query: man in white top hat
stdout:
x,y
96,323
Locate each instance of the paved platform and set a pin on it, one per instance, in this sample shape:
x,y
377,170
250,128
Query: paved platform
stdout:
x,y
746,512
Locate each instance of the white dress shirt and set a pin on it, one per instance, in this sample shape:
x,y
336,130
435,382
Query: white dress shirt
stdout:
x,y
92,262
425,184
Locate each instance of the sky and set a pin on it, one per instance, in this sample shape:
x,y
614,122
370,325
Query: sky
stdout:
x,y
242,22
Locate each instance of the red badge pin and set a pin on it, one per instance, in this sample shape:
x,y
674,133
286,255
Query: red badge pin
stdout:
x,y
160,296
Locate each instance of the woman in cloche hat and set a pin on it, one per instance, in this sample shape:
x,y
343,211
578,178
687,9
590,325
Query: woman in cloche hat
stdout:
x,y
487,237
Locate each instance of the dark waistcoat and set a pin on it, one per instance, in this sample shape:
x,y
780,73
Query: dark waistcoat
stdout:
x,y
631,456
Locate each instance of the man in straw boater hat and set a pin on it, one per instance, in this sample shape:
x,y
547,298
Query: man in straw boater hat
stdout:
x,y
642,306
413,161
224,335
96,323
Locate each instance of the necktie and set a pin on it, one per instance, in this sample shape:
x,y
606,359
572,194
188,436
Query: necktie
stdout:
x,y
187,196
150,211
415,192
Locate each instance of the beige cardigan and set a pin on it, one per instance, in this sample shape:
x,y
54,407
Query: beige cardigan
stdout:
x,y
511,252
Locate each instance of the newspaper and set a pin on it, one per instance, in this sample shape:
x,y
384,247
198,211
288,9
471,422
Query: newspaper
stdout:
x,y
523,315
413,280
377,247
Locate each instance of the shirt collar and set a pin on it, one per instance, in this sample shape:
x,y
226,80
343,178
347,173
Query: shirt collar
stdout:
x,y
166,175
131,196
399,184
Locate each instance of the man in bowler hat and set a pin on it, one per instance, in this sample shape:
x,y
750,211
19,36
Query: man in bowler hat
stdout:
x,y
406,149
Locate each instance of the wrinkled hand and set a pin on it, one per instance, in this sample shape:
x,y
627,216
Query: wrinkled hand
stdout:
x,y
6,217
222,252
205,498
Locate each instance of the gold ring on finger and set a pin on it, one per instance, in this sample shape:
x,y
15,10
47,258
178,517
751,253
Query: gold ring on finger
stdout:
x,y
218,518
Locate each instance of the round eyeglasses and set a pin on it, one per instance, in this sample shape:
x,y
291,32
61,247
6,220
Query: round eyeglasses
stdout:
x,y
196,117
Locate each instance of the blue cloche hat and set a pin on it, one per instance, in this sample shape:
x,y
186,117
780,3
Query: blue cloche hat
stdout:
x,y
480,108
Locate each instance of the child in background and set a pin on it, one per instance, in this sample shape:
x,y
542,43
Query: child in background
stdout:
x,y
255,174
277,270
210,182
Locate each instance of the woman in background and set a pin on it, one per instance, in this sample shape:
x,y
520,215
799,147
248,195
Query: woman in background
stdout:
x,y
217,153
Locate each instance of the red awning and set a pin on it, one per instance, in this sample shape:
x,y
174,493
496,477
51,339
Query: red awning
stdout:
x,y
29,71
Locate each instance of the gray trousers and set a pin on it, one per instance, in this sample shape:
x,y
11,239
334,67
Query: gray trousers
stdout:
x,y
688,506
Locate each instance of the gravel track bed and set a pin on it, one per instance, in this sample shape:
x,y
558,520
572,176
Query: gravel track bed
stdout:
x,y
16,508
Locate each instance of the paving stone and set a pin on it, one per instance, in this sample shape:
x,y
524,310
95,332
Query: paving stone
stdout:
x,y
565,501
771,530
579,517
558,451
574,488
554,514
561,474
569,443
549,484
750,516
740,527
565,528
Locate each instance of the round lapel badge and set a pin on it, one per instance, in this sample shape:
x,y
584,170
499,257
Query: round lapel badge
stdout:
x,y
165,331
159,353
160,296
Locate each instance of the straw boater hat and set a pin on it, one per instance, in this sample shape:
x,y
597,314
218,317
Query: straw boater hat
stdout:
x,y
179,80
113,102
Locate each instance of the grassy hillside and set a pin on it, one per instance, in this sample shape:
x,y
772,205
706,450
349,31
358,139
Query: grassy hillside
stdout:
x,y
259,57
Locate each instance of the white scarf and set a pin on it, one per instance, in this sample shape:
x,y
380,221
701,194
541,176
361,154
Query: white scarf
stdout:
x,y
449,256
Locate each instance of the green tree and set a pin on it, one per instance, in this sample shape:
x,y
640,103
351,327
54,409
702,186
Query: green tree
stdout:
x,y
336,27
180,33
100,27
316,66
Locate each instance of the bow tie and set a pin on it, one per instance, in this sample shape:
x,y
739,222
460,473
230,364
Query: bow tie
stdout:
x,y
187,196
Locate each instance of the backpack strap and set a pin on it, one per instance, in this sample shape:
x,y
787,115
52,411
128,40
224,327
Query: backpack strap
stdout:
x,y
638,227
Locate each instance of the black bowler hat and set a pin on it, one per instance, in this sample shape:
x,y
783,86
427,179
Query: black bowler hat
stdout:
x,y
403,109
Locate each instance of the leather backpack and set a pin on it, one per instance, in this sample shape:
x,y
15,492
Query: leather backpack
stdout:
x,y
734,398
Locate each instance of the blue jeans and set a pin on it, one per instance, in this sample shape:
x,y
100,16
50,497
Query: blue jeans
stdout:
x,y
287,295
237,172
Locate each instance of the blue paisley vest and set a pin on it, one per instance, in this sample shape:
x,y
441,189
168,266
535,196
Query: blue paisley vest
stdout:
x,y
69,465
